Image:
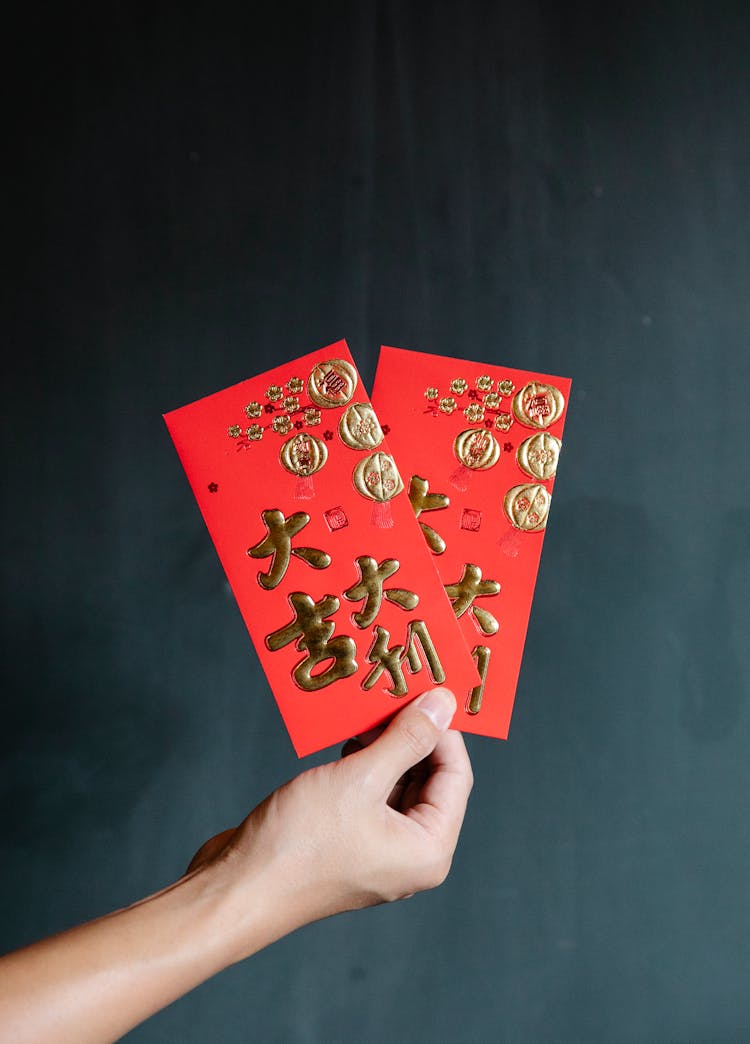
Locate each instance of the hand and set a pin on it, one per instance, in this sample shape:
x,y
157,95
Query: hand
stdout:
x,y
378,825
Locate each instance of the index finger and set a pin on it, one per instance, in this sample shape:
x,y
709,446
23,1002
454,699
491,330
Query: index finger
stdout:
x,y
446,790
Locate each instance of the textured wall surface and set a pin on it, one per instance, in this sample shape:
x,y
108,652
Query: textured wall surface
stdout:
x,y
196,196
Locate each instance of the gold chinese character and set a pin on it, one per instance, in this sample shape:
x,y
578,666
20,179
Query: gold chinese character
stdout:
x,y
469,587
422,500
277,543
312,630
370,587
392,658
481,656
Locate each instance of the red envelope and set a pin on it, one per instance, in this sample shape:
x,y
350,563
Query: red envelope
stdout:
x,y
477,446
317,537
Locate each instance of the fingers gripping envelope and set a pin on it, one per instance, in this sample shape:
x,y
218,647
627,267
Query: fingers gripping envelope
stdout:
x,y
314,526
477,447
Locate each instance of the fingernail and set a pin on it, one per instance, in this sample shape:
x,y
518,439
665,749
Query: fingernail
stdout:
x,y
439,705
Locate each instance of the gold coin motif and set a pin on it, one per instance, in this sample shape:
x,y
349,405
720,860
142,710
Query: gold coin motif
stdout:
x,y
527,507
538,405
376,477
359,427
476,448
538,455
332,383
303,454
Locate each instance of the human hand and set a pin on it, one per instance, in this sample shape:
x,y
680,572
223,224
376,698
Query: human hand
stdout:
x,y
378,825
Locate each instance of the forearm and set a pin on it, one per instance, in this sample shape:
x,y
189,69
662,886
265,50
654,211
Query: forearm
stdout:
x,y
95,982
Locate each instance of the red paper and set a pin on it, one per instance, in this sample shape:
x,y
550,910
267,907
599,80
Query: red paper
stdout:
x,y
325,558
487,558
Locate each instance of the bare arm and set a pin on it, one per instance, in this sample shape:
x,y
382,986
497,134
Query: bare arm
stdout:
x,y
376,826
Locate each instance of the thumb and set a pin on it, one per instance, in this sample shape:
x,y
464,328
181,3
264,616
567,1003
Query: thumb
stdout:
x,y
410,737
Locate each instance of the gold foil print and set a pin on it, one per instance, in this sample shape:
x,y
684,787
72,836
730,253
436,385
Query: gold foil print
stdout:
x,y
312,416
477,449
506,387
359,427
291,403
234,431
253,409
538,455
392,658
422,500
282,424
538,405
419,639
275,392
492,401
312,631
474,413
295,385
484,383
458,386
332,383
481,656
527,507
431,393
254,432
303,454
447,404
503,421
376,477
277,545
469,587
372,577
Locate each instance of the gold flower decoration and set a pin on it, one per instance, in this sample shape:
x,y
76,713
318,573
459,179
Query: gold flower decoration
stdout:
x,y
492,400
431,393
447,404
281,424
503,421
312,416
275,392
484,383
234,431
291,403
295,385
458,386
505,387
474,413
254,432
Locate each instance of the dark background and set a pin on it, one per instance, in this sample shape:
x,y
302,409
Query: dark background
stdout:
x,y
197,193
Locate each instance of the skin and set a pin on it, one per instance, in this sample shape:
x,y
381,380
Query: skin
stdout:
x,y
378,825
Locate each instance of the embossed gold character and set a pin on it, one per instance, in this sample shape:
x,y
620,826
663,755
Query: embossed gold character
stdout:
x,y
422,500
312,631
538,405
471,586
481,656
392,658
277,544
332,383
476,448
372,577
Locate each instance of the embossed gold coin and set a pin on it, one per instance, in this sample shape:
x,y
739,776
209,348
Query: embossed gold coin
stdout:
x,y
538,405
538,455
376,477
332,383
527,507
303,454
359,428
476,448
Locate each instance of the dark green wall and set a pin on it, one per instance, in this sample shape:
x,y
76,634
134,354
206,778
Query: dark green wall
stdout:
x,y
196,196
